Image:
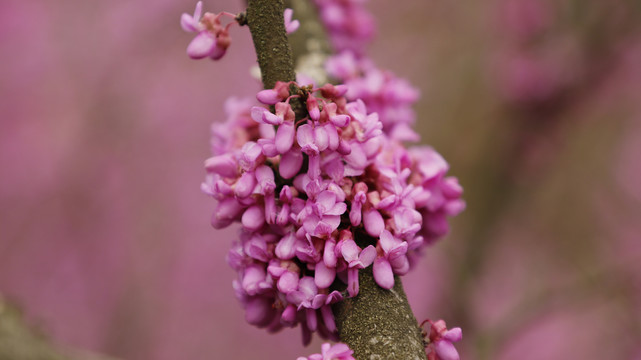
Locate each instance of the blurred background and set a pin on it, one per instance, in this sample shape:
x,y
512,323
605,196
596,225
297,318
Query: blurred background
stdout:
x,y
105,242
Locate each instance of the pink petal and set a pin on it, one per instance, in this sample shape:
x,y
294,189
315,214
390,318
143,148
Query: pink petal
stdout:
x,y
333,139
218,52
188,23
400,264
305,135
454,334
268,97
290,26
285,137
328,318
312,320
245,185
387,241
202,45
321,138
367,256
223,165
288,282
290,164
373,222
253,218
285,248
326,199
383,273
329,257
324,276
446,351
226,211
333,221
289,314
338,209
259,312
355,214
265,177
198,11
349,250
340,120
312,108
271,119
357,157
257,113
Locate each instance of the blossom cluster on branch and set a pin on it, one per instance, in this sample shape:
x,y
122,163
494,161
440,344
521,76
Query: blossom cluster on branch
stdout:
x,y
302,190
323,191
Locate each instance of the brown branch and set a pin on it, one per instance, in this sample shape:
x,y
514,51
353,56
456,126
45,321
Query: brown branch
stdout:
x,y
377,323
267,26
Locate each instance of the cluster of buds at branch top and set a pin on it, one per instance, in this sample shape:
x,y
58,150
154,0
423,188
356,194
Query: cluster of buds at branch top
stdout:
x,y
304,188
439,339
332,352
212,39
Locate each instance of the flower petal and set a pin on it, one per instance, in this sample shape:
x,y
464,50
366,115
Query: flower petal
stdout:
x,y
383,273
202,45
446,351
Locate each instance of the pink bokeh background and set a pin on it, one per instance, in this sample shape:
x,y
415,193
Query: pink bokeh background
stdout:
x,y
105,240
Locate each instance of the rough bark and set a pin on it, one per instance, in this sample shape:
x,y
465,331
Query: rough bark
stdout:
x,y
378,323
267,27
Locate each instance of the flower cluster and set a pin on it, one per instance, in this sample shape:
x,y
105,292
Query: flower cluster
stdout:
x,y
384,93
304,187
348,25
439,341
331,352
212,39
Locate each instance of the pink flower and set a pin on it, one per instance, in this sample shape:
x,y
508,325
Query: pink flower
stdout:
x,y
212,39
337,351
440,341
290,184
322,217
290,26
391,259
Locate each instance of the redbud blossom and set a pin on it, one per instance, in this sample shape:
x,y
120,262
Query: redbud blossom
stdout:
x,y
302,189
440,339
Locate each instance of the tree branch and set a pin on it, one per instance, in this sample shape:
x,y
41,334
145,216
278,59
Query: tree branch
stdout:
x,y
267,27
379,323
